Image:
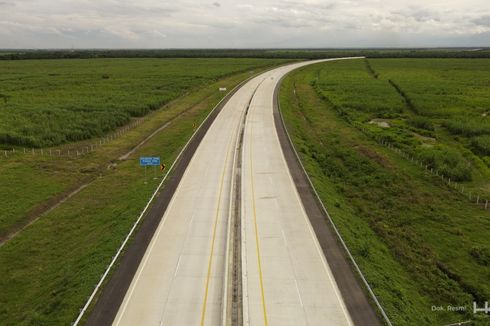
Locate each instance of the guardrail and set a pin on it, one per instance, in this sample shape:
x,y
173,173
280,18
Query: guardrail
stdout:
x,y
74,150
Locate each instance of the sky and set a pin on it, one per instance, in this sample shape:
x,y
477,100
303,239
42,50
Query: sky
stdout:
x,y
243,24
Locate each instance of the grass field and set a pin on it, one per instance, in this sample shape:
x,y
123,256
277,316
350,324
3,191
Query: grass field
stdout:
x,y
434,109
419,242
49,269
50,102
39,179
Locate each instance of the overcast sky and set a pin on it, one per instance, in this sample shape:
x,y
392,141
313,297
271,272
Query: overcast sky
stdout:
x,y
243,24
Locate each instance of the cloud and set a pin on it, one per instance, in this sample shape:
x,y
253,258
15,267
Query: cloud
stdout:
x,y
254,23
7,4
483,20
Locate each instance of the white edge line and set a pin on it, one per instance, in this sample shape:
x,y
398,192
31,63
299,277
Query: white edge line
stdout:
x,y
319,250
146,257
305,216
373,296
148,252
307,221
177,267
128,236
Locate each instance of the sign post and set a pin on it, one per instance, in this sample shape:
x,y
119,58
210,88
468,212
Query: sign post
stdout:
x,y
150,161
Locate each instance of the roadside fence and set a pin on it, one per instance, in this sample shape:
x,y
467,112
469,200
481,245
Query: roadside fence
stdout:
x,y
70,150
472,196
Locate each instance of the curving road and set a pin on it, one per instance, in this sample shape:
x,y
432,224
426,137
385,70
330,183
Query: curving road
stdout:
x,y
184,276
287,280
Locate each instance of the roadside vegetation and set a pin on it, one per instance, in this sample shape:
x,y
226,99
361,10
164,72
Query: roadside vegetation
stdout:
x,y
420,243
31,183
435,110
248,53
51,102
50,268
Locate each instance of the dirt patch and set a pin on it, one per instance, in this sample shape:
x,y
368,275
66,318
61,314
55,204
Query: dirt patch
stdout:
x,y
427,142
380,123
424,138
375,156
43,209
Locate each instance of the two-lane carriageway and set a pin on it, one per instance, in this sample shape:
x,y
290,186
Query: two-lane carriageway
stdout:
x,y
184,274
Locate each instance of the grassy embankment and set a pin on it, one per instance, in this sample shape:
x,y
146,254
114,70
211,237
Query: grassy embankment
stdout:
x,y
28,181
447,122
49,269
434,110
419,242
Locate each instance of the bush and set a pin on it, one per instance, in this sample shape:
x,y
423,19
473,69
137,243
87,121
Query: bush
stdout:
x,y
449,162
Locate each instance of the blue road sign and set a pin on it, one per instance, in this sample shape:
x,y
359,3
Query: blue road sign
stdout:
x,y
149,160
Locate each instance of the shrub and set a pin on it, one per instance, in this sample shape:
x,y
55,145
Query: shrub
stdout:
x,y
447,161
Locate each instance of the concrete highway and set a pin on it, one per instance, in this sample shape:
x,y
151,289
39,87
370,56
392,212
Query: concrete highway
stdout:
x,y
287,279
183,277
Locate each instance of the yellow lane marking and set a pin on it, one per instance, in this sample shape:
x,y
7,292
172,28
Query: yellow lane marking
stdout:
x,y
210,262
257,242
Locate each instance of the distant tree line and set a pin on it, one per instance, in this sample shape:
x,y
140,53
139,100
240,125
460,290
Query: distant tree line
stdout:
x,y
246,53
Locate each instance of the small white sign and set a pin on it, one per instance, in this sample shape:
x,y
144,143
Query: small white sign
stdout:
x,y
222,89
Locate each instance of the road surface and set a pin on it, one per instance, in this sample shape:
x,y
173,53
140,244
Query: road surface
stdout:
x,y
285,277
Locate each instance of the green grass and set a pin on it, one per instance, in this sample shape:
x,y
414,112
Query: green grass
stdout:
x,y
50,268
56,262
433,109
23,186
50,102
419,242
40,178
